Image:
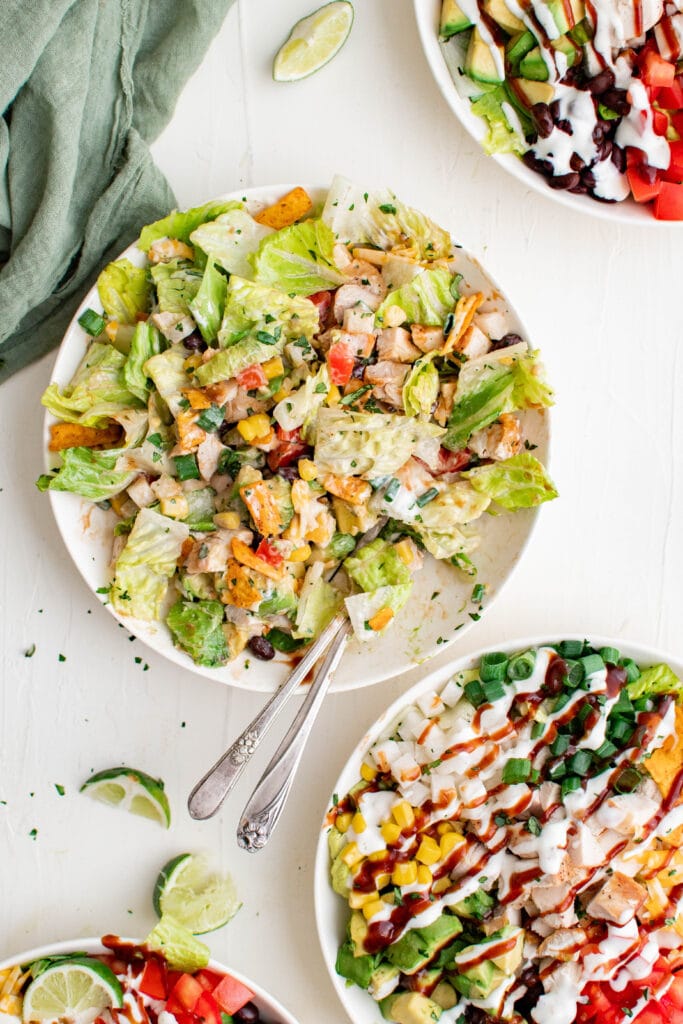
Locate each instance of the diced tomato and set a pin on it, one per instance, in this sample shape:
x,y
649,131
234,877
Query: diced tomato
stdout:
x,y
208,979
153,982
675,169
645,184
671,98
340,360
184,994
207,1009
289,449
184,1017
677,122
452,462
172,978
252,377
269,553
231,994
656,71
323,300
669,202
660,122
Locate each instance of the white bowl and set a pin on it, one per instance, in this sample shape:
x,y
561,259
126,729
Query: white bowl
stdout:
x,y
423,628
274,1012
427,14
331,912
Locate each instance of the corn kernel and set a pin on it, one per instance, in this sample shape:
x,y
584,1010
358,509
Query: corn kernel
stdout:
x,y
280,395
227,520
343,821
273,368
445,826
424,875
333,395
254,426
111,329
193,361
448,843
117,503
404,873
390,832
307,469
404,550
357,900
367,772
265,440
403,814
381,619
300,554
429,851
441,884
377,856
370,909
358,823
351,855
382,879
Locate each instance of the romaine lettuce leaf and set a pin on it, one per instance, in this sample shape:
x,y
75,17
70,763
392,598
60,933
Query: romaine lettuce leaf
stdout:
x,y
446,544
354,443
209,303
377,565
454,505
282,600
146,342
518,482
427,299
230,239
89,473
501,136
169,375
362,607
98,389
181,224
146,564
253,308
421,388
228,362
202,509
319,602
300,406
197,629
177,283
380,218
656,680
124,291
298,259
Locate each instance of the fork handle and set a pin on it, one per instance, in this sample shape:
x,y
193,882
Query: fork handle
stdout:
x,y
266,803
211,790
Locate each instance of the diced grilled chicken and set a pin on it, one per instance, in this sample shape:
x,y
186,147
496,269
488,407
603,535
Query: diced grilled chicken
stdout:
x,y
550,892
141,492
241,405
395,343
583,848
165,249
444,406
364,274
350,295
626,813
427,338
492,323
341,256
359,319
208,454
222,392
563,944
170,494
618,901
211,553
173,326
387,378
499,441
473,343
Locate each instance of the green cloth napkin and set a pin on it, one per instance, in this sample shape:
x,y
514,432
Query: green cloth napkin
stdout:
x,y
85,85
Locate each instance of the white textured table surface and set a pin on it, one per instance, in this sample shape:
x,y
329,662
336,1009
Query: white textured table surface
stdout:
x,y
604,304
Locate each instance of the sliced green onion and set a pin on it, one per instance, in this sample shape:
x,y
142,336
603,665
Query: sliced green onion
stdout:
x,y
493,690
392,490
570,785
211,418
642,704
560,702
537,730
623,705
186,467
474,692
428,496
348,399
631,669
592,663
583,713
580,762
620,730
558,771
575,675
570,648
91,322
610,655
521,666
533,825
605,750
517,769
493,666
628,780
534,775
478,592
560,745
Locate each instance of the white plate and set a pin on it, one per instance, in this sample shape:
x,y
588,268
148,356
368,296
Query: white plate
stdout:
x,y
427,14
274,1012
331,912
421,629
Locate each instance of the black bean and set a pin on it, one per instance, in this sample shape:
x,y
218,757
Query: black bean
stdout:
x,y
249,1014
535,164
579,190
604,149
563,125
602,82
263,649
575,76
598,134
555,110
618,158
576,162
290,473
588,178
506,341
558,181
543,119
195,343
358,371
616,100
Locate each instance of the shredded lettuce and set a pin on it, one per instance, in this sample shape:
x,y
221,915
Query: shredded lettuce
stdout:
x,y
354,443
177,283
377,565
502,137
421,388
318,604
124,291
97,390
169,376
379,218
230,239
180,224
518,482
146,342
196,627
362,607
251,307
454,505
89,473
147,562
299,408
427,299
201,509
656,680
209,303
452,544
282,600
298,259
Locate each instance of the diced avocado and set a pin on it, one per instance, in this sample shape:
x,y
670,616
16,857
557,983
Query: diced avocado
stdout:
x,y
282,600
480,62
565,45
445,995
581,33
340,873
474,906
410,1008
358,969
383,981
479,981
198,584
566,13
519,46
535,92
353,519
453,19
510,961
501,13
418,946
532,66
358,929
424,981
335,842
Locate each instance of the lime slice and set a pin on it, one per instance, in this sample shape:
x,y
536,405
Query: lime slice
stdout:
x,y
194,896
77,989
131,790
180,948
313,42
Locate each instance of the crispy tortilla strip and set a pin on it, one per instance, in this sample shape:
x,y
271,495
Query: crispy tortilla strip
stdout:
x,y
665,763
286,211
246,556
350,488
240,586
73,435
263,508
197,399
190,436
465,308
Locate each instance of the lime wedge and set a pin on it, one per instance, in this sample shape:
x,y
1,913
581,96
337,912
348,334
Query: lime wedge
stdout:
x,y
313,42
194,896
77,989
131,790
180,948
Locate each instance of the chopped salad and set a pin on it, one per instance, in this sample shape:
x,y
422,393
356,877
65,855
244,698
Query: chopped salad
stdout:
x,y
266,387
512,848
588,93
